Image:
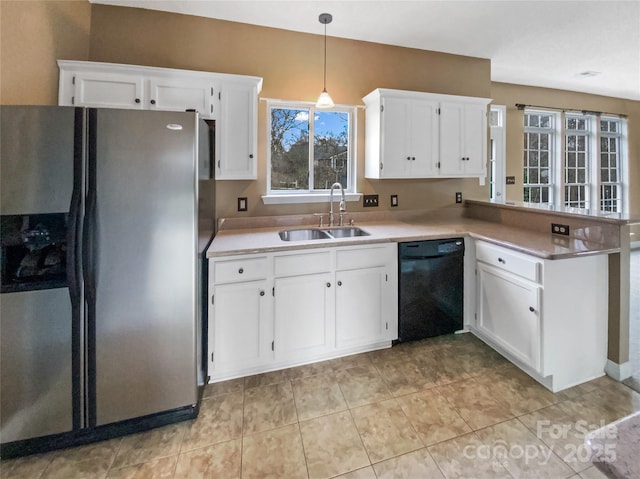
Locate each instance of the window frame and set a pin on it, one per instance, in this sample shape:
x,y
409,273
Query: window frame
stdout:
x,y
593,135
313,195
585,200
620,141
553,131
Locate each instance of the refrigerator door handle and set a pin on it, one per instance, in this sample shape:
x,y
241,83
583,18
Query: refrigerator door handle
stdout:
x,y
88,265
74,268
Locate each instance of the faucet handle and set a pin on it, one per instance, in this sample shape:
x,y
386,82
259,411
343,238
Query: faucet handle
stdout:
x,y
321,220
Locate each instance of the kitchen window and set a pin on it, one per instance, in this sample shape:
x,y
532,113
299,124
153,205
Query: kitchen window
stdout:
x,y
576,165
539,150
309,150
586,156
610,160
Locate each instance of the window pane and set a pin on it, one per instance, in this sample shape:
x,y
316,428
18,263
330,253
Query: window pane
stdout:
x,y
289,149
330,149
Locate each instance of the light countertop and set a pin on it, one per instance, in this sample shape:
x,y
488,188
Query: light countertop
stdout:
x,y
265,238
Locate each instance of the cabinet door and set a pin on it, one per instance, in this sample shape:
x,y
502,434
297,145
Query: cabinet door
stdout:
x,y
241,338
236,133
360,302
451,139
395,156
108,90
424,138
475,140
304,316
509,313
176,95
463,139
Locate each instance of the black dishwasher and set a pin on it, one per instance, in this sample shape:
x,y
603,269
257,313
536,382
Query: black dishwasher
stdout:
x,y
430,288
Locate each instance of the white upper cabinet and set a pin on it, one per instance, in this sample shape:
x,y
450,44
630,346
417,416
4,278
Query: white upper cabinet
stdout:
x,y
463,139
231,100
167,94
236,132
102,89
424,135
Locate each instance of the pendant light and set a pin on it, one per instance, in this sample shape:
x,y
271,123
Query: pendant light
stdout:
x,y
324,100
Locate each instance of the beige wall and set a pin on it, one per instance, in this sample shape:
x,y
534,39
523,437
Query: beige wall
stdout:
x,y
33,35
291,65
509,95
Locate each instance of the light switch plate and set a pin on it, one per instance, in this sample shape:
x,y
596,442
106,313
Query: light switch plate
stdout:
x,y
394,200
369,200
242,204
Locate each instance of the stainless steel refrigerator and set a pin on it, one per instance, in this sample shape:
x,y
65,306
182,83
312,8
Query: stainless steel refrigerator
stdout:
x,y
100,330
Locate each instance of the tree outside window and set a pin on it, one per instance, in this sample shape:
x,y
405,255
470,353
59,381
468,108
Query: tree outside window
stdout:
x,y
309,149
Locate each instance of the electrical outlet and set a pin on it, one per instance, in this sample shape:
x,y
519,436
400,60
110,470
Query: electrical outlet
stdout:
x,y
242,204
394,200
560,229
369,201
458,196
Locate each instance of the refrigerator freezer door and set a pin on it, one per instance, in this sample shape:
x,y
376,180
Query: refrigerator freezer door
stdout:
x,y
36,163
144,263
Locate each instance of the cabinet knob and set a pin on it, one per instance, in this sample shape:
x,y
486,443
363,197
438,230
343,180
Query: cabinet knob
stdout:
x,y
241,270
500,260
408,158
261,293
250,156
328,285
532,309
137,100
339,283
153,102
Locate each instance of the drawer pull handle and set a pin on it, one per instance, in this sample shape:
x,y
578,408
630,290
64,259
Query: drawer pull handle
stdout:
x,y
241,270
532,309
500,260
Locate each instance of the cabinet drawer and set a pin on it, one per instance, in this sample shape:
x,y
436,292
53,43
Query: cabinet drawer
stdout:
x,y
307,263
511,261
237,270
355,258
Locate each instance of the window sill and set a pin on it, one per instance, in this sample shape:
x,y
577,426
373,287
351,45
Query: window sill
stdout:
x,y
307,198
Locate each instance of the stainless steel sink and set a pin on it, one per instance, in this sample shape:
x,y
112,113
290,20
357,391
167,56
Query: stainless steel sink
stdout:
x,y
307,234
347,232
303,235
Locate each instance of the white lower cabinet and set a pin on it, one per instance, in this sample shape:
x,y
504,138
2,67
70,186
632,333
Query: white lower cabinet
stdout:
x,y
241,337
303,307
283,309
509,311
549,317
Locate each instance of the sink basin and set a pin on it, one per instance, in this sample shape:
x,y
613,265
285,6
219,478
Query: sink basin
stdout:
x,y
318,234
347,232
303,235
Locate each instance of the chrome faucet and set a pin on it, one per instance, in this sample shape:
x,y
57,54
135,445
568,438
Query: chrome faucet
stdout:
x,y
342,206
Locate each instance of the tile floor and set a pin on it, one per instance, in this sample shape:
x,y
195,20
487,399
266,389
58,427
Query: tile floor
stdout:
x,y
447,407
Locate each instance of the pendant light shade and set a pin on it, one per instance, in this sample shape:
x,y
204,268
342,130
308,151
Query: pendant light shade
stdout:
x,y
324,100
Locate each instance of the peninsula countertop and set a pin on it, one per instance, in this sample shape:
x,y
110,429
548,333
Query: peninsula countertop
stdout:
x,y
262,236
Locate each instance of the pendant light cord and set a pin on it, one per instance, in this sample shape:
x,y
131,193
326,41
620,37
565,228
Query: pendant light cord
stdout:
x,y
324,84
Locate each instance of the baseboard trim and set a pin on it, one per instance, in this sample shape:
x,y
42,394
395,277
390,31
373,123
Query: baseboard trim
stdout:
x,y
619,372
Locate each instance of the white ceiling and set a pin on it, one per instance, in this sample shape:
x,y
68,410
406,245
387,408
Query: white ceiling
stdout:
x,y
530,42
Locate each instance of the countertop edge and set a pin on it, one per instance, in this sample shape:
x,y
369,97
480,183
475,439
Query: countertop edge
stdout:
x,y
398,232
